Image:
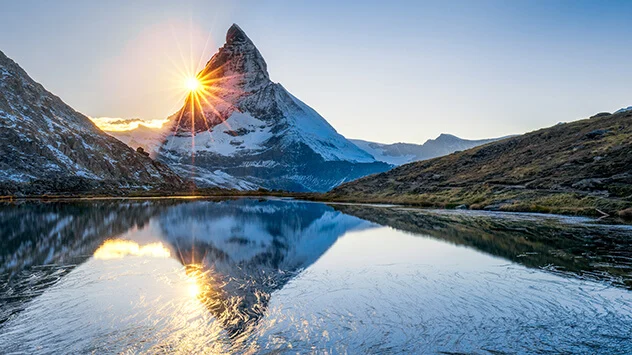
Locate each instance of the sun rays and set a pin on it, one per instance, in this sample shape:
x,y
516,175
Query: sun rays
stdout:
x,y
202,90
207,103
198,90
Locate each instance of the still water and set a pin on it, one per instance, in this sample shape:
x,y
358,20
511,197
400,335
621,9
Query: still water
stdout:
x,y
282,276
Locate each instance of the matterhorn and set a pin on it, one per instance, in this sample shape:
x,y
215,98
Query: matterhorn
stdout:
x,y
241,130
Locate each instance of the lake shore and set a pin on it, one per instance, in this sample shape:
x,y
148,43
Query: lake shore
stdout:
x,y
562,203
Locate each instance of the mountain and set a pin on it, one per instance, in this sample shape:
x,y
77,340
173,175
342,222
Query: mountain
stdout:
x,y
243,125
402,153
46,146
151,140
148,138
577,167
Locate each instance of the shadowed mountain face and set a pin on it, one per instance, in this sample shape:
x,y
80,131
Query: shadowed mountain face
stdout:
x,y
538,241
46,146
244,250
570,167
243,131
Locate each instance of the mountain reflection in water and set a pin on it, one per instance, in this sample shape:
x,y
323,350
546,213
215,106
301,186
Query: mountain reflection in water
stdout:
x,y
246,250
248,275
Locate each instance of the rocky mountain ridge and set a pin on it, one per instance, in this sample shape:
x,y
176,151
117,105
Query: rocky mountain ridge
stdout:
x,y
48,147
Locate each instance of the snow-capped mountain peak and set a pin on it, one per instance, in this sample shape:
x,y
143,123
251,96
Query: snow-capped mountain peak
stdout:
x,y
247,126
239,57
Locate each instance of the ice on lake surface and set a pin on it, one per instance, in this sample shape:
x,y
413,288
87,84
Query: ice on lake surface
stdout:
x,y
285,276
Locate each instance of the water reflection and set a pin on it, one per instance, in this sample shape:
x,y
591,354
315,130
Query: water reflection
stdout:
x,y
235,253
41,242
247,275
572,246
244,250
116,249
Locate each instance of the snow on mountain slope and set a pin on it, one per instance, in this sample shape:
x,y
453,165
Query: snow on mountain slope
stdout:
x,y
315,131
46,146
396,154
222,140
625,109
248,127
402,153
209,177
152,139
148,138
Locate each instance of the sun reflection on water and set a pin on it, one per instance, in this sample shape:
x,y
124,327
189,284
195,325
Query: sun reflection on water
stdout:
x,y
209,310
194,289
118,248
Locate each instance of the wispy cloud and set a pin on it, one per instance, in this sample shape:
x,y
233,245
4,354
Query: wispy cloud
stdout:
x,y
125,124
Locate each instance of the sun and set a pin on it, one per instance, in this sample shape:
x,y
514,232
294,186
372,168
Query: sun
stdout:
x,y
194,290
192,84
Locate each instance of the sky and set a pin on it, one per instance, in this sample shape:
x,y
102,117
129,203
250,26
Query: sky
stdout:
x,y
385,71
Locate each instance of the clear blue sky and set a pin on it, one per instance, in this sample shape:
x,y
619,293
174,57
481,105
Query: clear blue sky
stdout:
x,y
376,70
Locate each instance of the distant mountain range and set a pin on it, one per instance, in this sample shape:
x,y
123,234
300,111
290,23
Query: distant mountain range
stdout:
x,y
244,132
46,146
402,153
577,167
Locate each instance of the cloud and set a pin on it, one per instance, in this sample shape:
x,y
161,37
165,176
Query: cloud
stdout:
x,y
126,121
125,124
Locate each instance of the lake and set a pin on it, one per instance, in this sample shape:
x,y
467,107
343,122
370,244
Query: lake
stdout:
x,y
283,276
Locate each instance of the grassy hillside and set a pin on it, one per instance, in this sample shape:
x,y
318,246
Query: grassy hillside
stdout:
x,y
581,167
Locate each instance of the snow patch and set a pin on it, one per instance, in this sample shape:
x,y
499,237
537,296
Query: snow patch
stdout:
x,y
312,129
241,132
65,160
380,153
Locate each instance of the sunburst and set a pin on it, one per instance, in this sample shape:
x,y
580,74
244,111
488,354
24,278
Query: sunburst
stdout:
x,y
199,91
192,84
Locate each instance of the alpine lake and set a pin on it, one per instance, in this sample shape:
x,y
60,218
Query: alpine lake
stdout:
x,y
283,276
